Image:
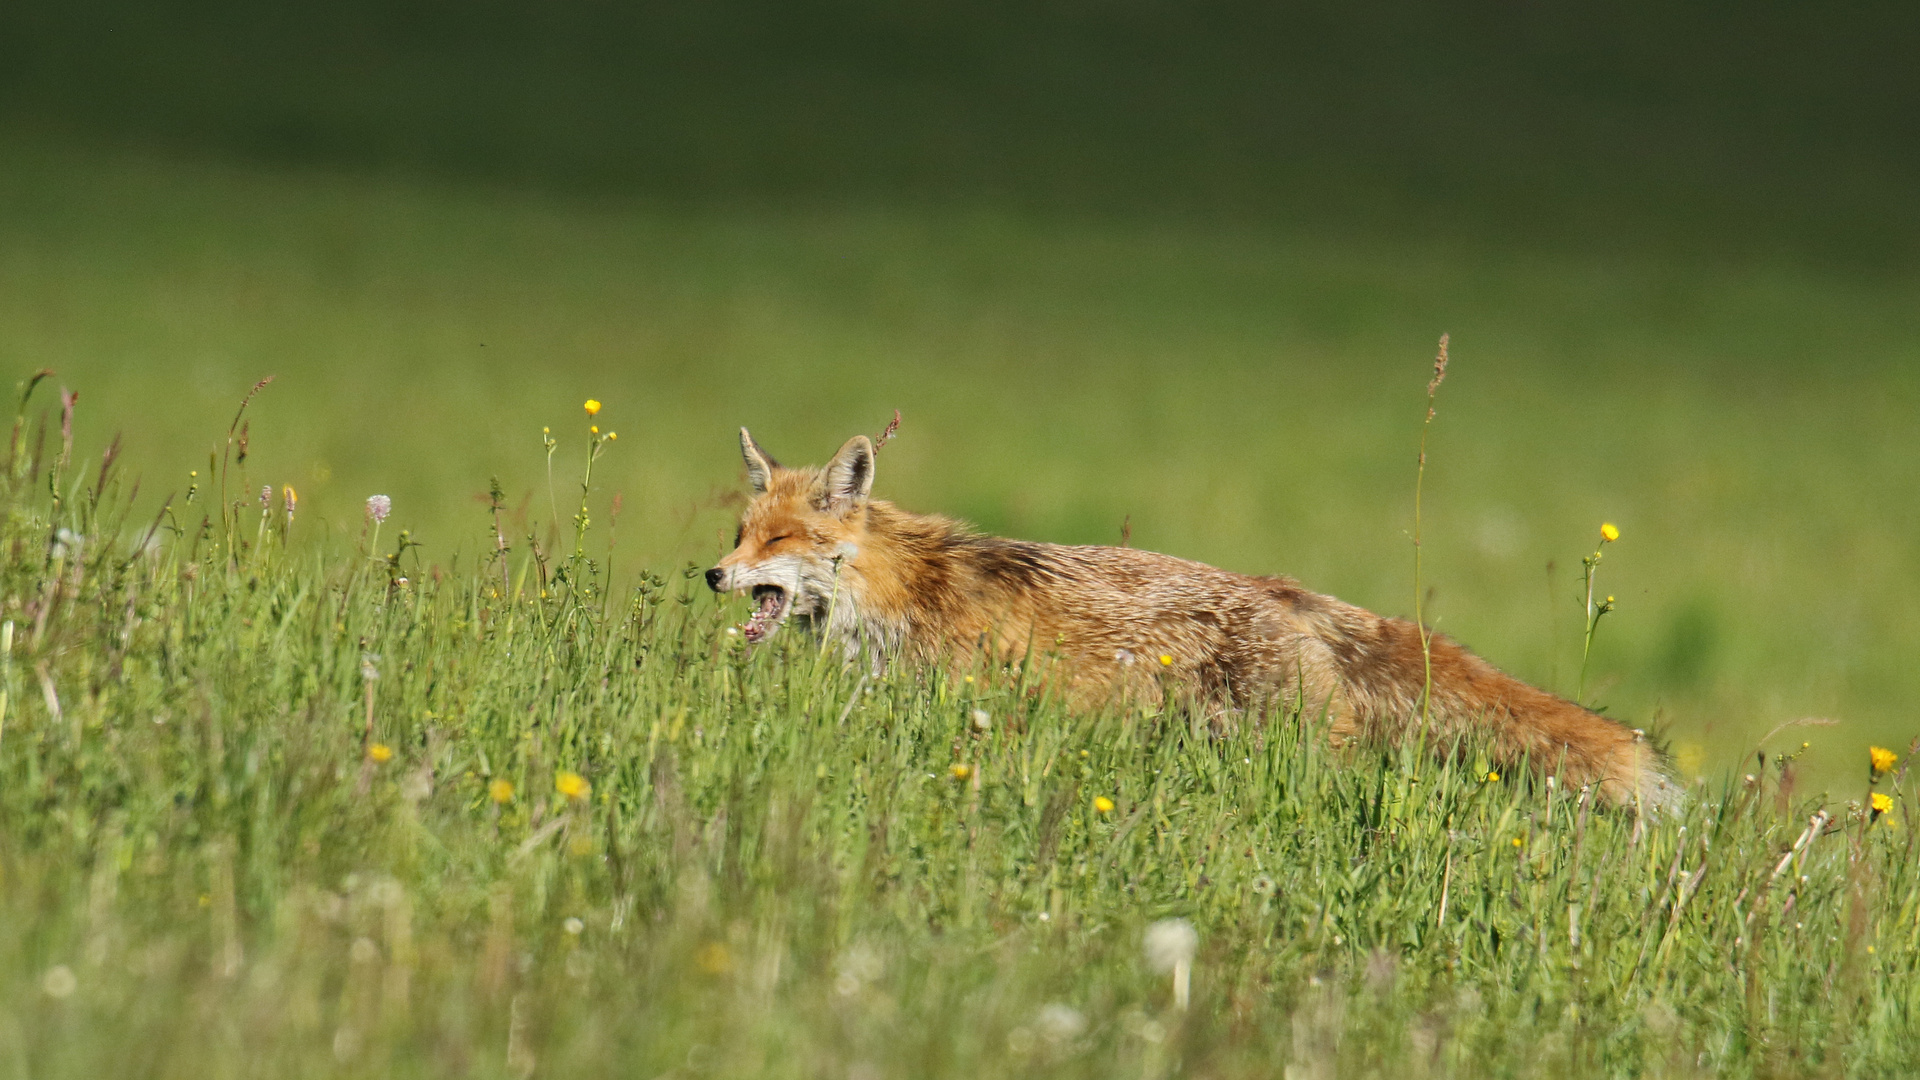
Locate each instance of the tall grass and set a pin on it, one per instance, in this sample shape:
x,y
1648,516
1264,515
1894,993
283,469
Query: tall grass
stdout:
x,y
272,809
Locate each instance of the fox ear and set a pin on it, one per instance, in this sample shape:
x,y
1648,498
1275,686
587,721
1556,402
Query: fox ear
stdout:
x,y
760,465
849,476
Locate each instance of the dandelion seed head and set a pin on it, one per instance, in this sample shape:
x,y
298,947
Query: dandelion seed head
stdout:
x,y
1060,1023
59,982
1170,943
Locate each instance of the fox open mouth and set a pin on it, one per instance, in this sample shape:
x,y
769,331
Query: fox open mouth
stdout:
x,y
769,607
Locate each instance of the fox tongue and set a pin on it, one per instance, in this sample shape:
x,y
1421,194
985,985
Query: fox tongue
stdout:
x,y
763,620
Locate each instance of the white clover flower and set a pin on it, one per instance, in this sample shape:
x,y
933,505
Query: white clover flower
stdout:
x,y
378,507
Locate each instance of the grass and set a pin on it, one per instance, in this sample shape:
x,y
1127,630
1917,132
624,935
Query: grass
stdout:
x,y
325,809
1248,398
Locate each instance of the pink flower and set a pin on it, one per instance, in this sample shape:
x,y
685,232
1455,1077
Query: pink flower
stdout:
x,y
378,507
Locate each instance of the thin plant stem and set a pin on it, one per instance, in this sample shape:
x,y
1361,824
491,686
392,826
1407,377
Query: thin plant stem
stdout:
x,y
1419,484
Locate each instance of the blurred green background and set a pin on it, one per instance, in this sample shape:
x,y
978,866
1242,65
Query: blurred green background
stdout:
x,y
1178,264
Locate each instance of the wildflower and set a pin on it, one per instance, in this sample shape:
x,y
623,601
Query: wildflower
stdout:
x,y
290,499
1881,758
1061,1023
380,752
1882,803
1102,804
1169,946
266,494
612,435
1492,777
1609,532
714,958
982,720
378,507
573,926
593,407
59,982
1165,660
500,791
960,772
593,429
571,784
1516,841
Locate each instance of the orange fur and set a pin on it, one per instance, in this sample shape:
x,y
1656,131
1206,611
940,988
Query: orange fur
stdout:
x,y
889,584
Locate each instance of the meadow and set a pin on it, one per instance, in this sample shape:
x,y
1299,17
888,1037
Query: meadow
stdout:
x,y
473,793
1245,396
321,810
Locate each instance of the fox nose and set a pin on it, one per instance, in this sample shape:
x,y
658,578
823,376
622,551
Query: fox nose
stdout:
x,y
713,578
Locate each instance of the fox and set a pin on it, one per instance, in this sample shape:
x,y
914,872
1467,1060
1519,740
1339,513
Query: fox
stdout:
x,y
815,548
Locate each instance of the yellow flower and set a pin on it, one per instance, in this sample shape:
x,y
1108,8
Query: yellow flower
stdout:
x,y
593,429
1881,758
960,772
1609,532
1102,804
1882,803
1492,777
593,407
571,784
500,791
380,752
1165,660
1516,841
714,958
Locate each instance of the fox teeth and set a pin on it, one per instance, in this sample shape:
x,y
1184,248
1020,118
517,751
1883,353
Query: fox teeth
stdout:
x,y
764,618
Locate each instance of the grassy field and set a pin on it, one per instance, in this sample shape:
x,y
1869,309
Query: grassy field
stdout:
x,y
1250,398
305,809
465,794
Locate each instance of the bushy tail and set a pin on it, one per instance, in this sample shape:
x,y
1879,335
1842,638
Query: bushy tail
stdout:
x,y
1473,699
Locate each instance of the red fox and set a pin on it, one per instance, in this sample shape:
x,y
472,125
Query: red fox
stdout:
x,y
887,583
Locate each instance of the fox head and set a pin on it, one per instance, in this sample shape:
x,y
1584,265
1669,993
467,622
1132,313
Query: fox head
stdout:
x,y
797,536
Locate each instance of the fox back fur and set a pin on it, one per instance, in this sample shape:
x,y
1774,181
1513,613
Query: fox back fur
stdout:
x,y
814,546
